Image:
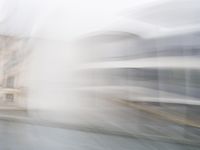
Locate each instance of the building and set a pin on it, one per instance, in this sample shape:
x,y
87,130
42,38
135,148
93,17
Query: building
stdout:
x,y
13,68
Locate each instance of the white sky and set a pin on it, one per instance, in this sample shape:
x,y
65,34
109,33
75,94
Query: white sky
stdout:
x,y
60,19
69,19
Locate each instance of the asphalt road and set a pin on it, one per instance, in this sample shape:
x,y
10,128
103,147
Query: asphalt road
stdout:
x,y
99,125
21,136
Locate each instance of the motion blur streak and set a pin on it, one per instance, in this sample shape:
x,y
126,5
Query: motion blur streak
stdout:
x,y
99,74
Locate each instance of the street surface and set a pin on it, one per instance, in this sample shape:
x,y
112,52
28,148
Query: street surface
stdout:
x,y
102,125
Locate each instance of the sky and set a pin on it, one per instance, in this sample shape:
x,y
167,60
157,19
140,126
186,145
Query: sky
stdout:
x,y
60,19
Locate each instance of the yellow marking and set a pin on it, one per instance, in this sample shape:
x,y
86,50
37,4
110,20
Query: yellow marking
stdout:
x,y
164,115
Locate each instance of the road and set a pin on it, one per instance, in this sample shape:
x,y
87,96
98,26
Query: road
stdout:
x,y
107,125
21,136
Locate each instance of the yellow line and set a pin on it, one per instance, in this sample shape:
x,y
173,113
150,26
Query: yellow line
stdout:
x,y
164,115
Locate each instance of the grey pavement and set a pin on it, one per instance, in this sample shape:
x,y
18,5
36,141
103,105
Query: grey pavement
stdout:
x,y
21,136
104,125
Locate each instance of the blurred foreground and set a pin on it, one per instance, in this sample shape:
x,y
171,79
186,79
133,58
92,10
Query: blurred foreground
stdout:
x,y
115,75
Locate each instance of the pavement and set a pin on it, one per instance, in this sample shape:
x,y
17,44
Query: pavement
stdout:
x,y
22,136
105,125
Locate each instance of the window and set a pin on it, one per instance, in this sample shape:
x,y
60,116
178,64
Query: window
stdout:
x,y
10,82
9,97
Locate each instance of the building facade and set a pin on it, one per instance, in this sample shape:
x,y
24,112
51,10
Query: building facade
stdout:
x,y
13,68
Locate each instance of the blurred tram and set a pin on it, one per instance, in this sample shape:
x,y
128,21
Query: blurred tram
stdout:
x,y
155,70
